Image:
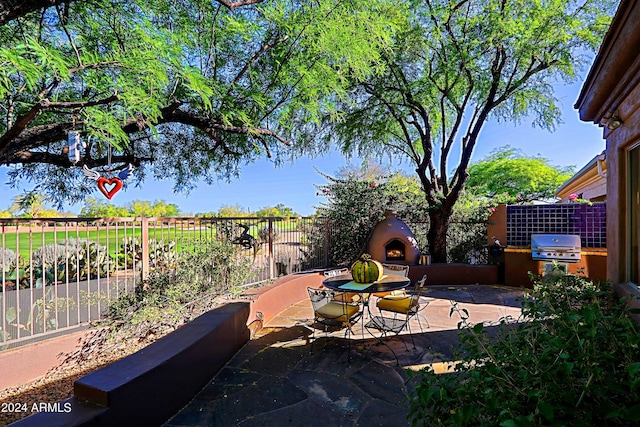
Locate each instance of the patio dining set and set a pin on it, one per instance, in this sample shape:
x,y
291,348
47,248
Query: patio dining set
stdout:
x,y
342,302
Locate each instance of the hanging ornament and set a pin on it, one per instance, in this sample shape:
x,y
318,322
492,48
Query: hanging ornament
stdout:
x,y
108,186
73,146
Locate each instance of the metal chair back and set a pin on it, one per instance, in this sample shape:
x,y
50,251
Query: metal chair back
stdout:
x,y
401,270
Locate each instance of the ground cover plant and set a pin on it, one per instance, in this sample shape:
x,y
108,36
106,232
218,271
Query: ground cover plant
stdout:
x,y
170,297
573,359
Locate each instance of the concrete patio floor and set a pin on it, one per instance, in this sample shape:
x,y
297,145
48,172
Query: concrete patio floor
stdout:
x,y
277,380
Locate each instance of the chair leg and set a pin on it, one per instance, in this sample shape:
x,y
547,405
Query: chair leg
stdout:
x,y
313,336
380,340
420,323
410,334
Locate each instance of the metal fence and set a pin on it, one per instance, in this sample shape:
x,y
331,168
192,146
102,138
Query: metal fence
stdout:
x,y
59,274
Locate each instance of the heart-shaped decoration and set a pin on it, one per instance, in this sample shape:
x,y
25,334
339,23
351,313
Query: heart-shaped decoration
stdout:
x,y
108,193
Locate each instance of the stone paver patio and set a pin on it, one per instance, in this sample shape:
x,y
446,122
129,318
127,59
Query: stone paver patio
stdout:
x,y
275,380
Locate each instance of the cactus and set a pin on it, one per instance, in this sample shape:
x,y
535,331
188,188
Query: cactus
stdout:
x,y
162,254
67,261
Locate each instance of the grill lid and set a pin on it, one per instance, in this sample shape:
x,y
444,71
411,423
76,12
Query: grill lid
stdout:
x,y
562,247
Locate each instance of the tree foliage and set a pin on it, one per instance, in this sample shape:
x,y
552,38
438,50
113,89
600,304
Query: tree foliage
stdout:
x,y
357,198
192,90
32,205
279,210
513,177
456,65
138,208
189,90
237,211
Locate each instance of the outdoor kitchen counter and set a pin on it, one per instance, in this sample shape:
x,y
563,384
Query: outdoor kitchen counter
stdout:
x,y
518,263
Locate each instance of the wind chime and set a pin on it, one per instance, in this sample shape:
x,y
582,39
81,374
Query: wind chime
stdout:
x,y
108,185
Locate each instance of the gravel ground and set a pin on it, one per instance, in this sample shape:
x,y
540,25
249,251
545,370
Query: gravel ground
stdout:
x,y
98,349
57,385
18,402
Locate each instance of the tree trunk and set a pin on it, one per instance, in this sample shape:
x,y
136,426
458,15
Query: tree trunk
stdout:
x,y
437,235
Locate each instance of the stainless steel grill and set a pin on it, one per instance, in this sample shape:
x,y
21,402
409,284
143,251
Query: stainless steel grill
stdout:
x,y
559,247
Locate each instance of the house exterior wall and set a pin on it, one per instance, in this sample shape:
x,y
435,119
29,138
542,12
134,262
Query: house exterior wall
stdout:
x,y
587,183
613,87
619,142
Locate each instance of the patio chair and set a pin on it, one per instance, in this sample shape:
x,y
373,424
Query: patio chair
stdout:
x,y
347,297
399,269
403,308
331,313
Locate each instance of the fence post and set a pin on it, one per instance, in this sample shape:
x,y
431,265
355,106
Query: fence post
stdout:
x,y
271,272
144,224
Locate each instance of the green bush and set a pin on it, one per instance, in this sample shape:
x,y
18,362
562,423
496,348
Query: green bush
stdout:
x,y
572,359
357,202
204,270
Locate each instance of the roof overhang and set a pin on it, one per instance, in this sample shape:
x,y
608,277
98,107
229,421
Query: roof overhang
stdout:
x,y
589,174
616,68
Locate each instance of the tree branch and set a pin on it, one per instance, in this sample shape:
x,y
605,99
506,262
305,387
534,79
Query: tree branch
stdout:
x,y
18,149
236,4
24,121
13,9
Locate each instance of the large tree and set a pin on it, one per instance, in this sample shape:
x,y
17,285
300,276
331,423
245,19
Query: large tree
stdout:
x,y
186,89
459,64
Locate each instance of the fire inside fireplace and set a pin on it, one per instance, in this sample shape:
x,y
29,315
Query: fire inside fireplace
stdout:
x,y
395,250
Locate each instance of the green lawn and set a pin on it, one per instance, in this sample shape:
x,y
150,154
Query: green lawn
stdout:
x,y
112,237
28,242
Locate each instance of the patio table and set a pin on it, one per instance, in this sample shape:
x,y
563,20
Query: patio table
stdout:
x,y
388,283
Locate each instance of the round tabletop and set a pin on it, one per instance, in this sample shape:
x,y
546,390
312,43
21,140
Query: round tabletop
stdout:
x,y
389,282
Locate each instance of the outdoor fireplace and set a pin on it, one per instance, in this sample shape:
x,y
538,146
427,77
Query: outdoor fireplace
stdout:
x,y
391,241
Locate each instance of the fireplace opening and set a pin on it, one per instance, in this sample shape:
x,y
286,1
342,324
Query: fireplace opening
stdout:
x,y
395,250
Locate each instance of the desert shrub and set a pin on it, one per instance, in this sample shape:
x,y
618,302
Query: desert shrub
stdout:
x,y
467,233
572,359
162,253
72,259
263,233
204,270
8,257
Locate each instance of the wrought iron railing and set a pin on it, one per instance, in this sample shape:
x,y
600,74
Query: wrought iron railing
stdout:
x,y
59,274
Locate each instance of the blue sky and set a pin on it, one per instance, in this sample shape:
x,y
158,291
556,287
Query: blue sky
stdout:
x,y
574,143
